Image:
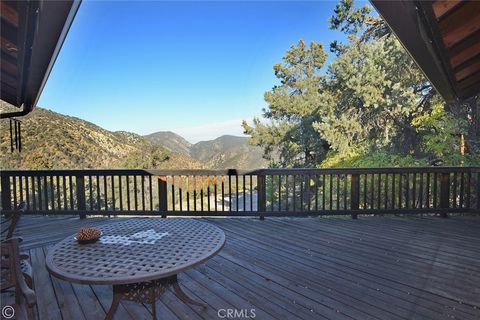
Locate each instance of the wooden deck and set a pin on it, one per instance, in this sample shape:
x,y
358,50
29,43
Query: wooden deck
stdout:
x,y
295,268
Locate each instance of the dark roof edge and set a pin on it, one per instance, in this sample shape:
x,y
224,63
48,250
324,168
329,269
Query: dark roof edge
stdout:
x,y
61,40
52,19
408,22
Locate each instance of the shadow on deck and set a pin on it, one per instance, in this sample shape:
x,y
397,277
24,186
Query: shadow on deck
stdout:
x,y
294,268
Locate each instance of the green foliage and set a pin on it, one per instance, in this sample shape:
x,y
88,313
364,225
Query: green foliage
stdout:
x,y
373,107
293,107
348,19
151,157
376,159
441,134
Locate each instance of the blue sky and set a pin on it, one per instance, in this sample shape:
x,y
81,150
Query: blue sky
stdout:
x,y
195,68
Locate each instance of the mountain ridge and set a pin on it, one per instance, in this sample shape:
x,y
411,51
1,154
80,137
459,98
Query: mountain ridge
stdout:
x,y
52,140
223,152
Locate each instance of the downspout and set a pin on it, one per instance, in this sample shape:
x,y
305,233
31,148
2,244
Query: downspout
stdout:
x,y
26,110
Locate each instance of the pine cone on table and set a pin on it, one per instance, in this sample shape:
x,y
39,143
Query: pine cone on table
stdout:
x,y
86,234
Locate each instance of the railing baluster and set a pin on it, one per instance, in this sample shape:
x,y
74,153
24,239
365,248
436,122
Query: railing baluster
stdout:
x,y
39,191
194,193
331,192
6,193
97,178
135,192
34,198
386,191
469,181
208,193
223,192
355,194
302,182
150,192
414,191
215,191
27,193
128,192
393,191
180,192
379,190
59,203
236,192
400,191
372,190
462,186
287,193
261,198
45,192
201,194
324,186
64,185
420,192
14,184
120,192
143,192
407,195
162,195
445,193
279,193
20,181
80,192
365,190
70,182
52,194
229,193
427,191
251,194
105,193
338,192
112,177
244,194
172,179
294,199
90,188
454,190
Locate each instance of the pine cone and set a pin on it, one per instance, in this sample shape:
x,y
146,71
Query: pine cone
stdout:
x,y
88,234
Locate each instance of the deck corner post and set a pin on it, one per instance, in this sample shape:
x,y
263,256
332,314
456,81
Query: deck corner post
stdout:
x,y
162,196
6,193
355,194
80,192
444,193
261,198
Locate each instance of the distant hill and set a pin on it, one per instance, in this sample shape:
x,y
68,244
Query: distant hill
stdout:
x,y
221,153
228,152
170,141
51,140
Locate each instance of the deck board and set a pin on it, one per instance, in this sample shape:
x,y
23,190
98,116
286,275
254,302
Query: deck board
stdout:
x,y
293,268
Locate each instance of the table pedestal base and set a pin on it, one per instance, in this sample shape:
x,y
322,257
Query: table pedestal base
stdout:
x,y
147,292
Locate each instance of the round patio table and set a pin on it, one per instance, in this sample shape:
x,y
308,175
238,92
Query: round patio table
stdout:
x,y
140,258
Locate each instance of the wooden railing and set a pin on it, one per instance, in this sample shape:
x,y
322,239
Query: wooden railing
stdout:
x,y
263,192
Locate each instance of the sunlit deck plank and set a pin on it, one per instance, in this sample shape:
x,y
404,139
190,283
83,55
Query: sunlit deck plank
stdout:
x,y
296,268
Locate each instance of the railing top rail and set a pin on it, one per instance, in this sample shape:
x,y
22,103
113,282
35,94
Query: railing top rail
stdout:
x,y
233,172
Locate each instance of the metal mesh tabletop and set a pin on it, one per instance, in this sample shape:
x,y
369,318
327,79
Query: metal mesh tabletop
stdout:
x,y
136,250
